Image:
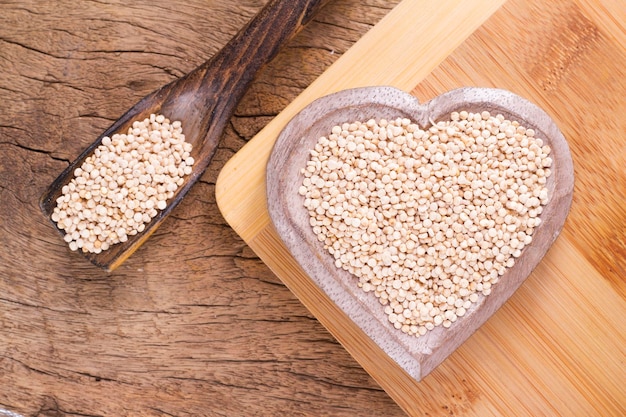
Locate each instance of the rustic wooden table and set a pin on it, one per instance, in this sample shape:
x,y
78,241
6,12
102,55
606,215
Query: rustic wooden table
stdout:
x,y
194,323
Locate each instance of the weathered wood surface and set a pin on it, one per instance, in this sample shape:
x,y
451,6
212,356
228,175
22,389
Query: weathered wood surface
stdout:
x,y
193,323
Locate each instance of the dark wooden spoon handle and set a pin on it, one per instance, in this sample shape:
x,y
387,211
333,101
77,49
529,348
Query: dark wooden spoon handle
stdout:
x,y
256,44
220,82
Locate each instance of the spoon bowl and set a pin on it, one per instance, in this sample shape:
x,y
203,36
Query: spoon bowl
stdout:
x,y
203,100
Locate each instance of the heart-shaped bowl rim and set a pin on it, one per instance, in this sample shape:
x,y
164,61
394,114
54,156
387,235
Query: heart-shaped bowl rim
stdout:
x,y
415,355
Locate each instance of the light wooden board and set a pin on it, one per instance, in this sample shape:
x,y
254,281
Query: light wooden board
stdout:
x,y
558,346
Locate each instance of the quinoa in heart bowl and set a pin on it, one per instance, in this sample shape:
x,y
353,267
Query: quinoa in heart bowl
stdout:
x,y
419,220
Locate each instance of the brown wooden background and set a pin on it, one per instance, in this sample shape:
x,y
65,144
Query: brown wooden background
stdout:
x,y
193,323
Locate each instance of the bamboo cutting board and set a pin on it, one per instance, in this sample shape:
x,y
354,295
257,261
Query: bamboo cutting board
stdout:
x,y
557,347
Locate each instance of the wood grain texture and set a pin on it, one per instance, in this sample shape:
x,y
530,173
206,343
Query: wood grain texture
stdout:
x,y
557,346
193,323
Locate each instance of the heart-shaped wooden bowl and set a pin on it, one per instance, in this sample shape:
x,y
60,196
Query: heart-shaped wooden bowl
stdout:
x,y
416,355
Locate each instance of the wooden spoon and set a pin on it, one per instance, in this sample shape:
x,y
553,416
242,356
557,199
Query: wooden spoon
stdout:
x,y
203,100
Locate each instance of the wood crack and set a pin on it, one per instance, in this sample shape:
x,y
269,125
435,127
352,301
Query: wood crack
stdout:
x,y
36,150
32,48
40,307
